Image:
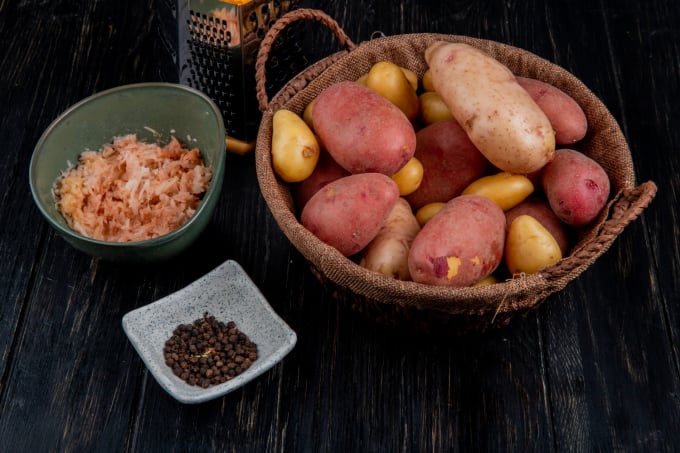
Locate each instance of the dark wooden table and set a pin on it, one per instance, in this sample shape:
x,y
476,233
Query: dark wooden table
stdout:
x,y
595,368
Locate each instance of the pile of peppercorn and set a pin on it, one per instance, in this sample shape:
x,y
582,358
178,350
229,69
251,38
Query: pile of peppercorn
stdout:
x,y
208,352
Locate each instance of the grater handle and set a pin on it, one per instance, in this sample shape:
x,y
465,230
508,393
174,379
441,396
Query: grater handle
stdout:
x,y
279,25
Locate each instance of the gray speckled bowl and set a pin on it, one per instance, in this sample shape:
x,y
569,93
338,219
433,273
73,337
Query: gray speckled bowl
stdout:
x,y
226,293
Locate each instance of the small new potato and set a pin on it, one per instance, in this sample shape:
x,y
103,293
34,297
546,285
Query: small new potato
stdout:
x,y
348,212
433,108
409,177
424,214
460,245
307,115
412,78
505,189
489,280
539,209
390,81
576,186
295,149
529,246
427,81
499,116
387,253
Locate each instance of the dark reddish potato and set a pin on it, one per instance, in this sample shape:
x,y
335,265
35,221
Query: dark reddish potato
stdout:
x,y
327,170
565,115
450,163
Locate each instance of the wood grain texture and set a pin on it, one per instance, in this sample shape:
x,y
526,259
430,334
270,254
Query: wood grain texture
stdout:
x,y
595,368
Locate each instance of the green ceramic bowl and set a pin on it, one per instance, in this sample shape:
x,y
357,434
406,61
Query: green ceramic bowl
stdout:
x,y
168,109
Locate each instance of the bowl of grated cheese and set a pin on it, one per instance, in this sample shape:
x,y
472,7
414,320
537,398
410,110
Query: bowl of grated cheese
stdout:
x,y
132,173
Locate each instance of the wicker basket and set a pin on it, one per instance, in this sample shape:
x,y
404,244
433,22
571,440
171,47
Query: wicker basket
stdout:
x,y
431,308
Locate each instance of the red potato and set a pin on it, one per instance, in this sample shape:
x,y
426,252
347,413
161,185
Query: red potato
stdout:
x,y
576,187
348,212
363,131
327,170
462,244
567,117
540,210
450,163
387,253
499,116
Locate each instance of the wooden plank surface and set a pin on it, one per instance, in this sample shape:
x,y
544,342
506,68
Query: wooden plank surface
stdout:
x,y
595,368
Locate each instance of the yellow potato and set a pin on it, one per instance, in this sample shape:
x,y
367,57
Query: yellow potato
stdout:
x,y
307,115
389,80
427,81
529,246
488,280
433,108
499,116
428,211
409,177
505,189
412,78
295,149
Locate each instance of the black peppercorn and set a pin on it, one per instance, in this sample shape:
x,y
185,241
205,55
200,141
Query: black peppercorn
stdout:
x,y
208,352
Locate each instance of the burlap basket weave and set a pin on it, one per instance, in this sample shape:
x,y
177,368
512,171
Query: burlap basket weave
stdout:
x,y
423,307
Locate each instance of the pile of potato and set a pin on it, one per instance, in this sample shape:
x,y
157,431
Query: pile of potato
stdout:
x,y
464,177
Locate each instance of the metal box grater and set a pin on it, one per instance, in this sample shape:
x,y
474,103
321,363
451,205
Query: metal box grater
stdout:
x,y
211,45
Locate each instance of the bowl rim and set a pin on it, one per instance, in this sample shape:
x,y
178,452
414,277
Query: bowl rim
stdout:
x,y
213,191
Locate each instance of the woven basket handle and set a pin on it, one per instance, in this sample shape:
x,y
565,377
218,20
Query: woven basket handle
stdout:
x,y
627,207
279,25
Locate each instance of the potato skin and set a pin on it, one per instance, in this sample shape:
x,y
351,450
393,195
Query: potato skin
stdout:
x,y
505,189
363,131
327,170
502,120
461,244
295,149
529,246
567,117
450,163
576,187
387,253
348,212
433,108
540,210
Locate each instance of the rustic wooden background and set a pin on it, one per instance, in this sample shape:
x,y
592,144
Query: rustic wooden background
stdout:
x,y
595,368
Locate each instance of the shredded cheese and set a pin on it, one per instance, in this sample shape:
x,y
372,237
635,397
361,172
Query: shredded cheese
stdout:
x,y
132,191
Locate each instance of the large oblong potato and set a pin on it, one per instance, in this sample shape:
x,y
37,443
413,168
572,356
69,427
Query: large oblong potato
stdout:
x,y
460,245
500,117
348,213
362,130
